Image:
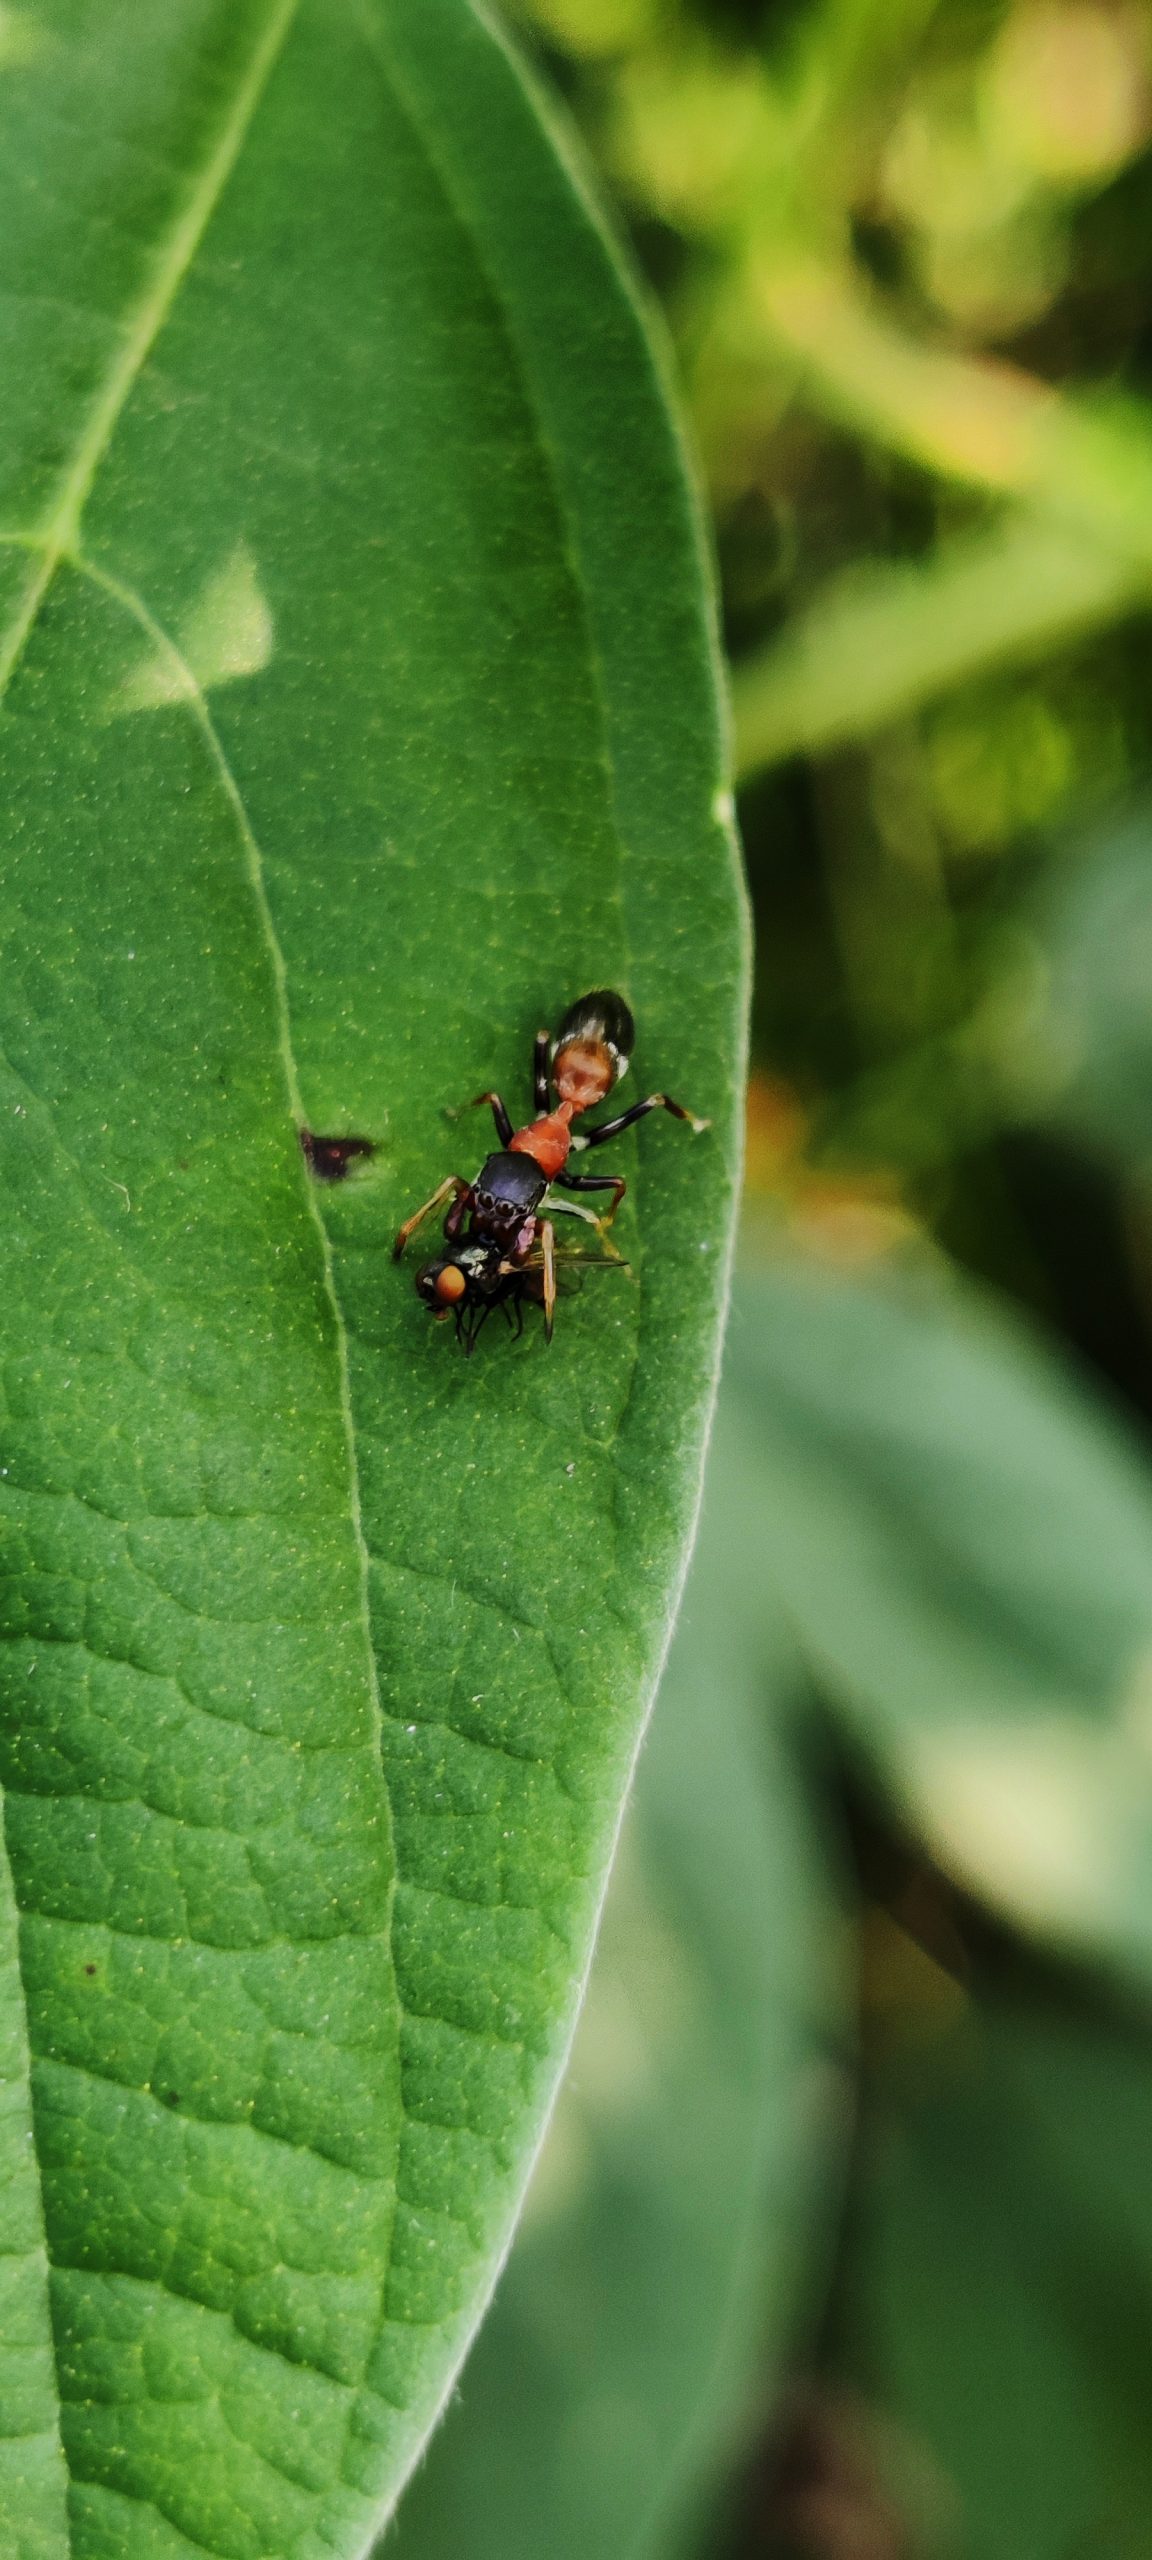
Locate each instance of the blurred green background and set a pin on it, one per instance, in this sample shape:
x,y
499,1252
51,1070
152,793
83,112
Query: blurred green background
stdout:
x,y
904,253
841,2245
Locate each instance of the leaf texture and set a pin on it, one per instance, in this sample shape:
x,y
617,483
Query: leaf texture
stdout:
x,y
358,711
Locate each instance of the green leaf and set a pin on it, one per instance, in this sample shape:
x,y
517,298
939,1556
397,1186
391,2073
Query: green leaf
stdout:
x,y
359,711
962,1537
1085,1035
684,2198
996,2305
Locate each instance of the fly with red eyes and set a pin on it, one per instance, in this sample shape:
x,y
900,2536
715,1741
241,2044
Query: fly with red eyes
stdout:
x,y
499,1233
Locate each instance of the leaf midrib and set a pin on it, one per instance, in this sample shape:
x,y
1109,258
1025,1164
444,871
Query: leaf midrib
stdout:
x,y
401,90
59,528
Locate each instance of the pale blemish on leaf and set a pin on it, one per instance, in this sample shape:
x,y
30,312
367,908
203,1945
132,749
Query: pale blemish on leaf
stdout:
x,y
226,633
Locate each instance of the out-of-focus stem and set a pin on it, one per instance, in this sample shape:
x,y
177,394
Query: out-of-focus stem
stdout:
x,y
880,641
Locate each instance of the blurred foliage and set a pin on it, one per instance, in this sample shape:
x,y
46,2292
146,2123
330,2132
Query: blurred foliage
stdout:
x,y
904,253
904,249
959,1538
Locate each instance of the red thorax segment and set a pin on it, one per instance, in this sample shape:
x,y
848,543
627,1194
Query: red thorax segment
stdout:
x,y
547,1139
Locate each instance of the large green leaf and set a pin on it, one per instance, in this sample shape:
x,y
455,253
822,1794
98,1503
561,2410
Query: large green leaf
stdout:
x,y
997,2297
359,711
963,1539
685,2196
1083,1035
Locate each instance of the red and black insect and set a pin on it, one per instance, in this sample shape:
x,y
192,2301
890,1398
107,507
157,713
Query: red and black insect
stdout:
x,y
499,1232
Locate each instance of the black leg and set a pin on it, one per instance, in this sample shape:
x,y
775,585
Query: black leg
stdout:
x,y
540,1081
613,1182
499,1114
655,1102
470,1322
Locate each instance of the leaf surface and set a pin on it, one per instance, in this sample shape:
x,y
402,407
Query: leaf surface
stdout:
x,y
358,712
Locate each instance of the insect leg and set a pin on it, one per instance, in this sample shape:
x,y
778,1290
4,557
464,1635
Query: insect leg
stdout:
x,y
572,1209
475,1320
624,1120
500,1114
454,1183
547,1242
609,1261
597,1182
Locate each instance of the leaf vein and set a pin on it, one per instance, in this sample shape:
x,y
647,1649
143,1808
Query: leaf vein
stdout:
x,y
59,530
47,2062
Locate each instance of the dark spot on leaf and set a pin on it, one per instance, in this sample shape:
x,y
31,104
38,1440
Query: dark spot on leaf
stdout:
x,y
171,2097
89,1968
329,1158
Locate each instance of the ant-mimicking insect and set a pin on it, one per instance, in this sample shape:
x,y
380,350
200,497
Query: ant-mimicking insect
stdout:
x,y
507,1253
